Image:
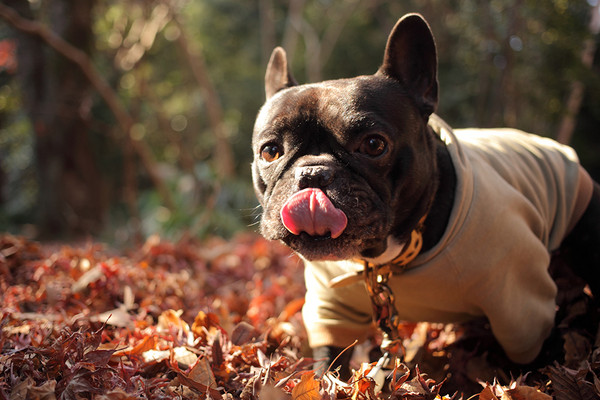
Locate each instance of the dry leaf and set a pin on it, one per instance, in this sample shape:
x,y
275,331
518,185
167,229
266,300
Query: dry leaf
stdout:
x,y
201,372
146,344
526,393
48,329
117,317
88,277
268,392
307,388
488,394
577,349
292,308
172,319
205,324
180,354
46,391
243,333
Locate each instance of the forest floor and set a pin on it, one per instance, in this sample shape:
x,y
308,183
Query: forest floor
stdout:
x,y
220,319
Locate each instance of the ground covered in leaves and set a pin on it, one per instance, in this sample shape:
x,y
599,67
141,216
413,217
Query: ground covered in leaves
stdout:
x,y
221,320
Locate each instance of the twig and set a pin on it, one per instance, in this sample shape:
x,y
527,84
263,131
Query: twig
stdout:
x,y
338,356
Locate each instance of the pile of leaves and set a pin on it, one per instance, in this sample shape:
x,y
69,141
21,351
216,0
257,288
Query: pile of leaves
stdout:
x,y
221,320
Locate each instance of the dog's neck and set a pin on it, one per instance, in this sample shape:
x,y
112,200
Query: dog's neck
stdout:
x,y
439,214
394,247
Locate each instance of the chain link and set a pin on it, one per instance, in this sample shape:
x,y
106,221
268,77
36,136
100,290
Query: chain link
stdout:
x,y
385,313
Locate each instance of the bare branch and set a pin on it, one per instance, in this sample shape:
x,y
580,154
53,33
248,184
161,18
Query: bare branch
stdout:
x,y
223,156
81,59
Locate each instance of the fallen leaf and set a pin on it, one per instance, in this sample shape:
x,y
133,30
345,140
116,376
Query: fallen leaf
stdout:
x,y
268,392
117,317
527,393
172,319
92,275
212,393
488,394
307,388
53,324
577,349
201,372
45,391
146,344
205,324
569,384
243,333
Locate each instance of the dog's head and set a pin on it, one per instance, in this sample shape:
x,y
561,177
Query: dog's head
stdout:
x,y
343,166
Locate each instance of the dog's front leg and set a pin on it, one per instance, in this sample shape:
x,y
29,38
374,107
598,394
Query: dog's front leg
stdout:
x,y
332,358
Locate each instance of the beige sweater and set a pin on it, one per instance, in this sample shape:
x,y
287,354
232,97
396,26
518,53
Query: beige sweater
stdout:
x,y
514,199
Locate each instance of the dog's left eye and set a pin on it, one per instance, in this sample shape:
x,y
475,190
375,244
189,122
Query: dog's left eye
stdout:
x,y
373,146
271,152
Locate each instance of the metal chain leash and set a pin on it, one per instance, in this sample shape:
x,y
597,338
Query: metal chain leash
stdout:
x,y
385,313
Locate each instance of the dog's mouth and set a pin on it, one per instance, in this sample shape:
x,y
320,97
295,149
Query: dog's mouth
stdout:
x,y
321,247
311,238
317,229
310,212
324,247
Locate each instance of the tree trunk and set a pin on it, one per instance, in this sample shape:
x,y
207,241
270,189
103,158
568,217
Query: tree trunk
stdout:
x,y
567,125
57,96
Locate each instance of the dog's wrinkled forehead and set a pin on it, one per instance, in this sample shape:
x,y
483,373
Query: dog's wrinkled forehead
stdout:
x,y
328,104
334,105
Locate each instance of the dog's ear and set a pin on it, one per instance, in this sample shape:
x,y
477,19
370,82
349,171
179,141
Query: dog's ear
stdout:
x,y
410,57
278,75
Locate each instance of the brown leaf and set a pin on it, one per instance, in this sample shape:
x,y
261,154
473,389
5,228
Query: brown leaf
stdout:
x,y
527,393
44,391
268,392
19,391
577,349
242,333
211,393
202,373
569,384
307,388
487,393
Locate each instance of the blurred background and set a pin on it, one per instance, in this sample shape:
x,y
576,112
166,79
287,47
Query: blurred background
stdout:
x,y
121,119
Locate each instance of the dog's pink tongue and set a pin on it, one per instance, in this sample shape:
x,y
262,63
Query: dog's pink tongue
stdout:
x,y
311,211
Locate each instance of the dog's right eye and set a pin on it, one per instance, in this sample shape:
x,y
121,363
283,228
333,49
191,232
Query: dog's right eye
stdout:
x,y
271,152
373,146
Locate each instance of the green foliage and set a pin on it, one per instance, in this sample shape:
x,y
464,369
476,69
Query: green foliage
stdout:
x,y
502,62
202,209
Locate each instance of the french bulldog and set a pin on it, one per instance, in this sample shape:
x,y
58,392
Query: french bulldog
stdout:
x,y
358,170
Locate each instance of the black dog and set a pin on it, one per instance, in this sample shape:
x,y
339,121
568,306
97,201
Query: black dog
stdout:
x,y
361,169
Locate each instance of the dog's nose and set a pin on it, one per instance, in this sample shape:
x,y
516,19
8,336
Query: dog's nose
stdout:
x,y
313,176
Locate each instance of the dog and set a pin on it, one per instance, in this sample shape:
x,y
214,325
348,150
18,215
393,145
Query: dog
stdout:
x,y
359,170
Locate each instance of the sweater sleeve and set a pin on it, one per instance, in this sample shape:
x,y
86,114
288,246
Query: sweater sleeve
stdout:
x,y
334,317
519,301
